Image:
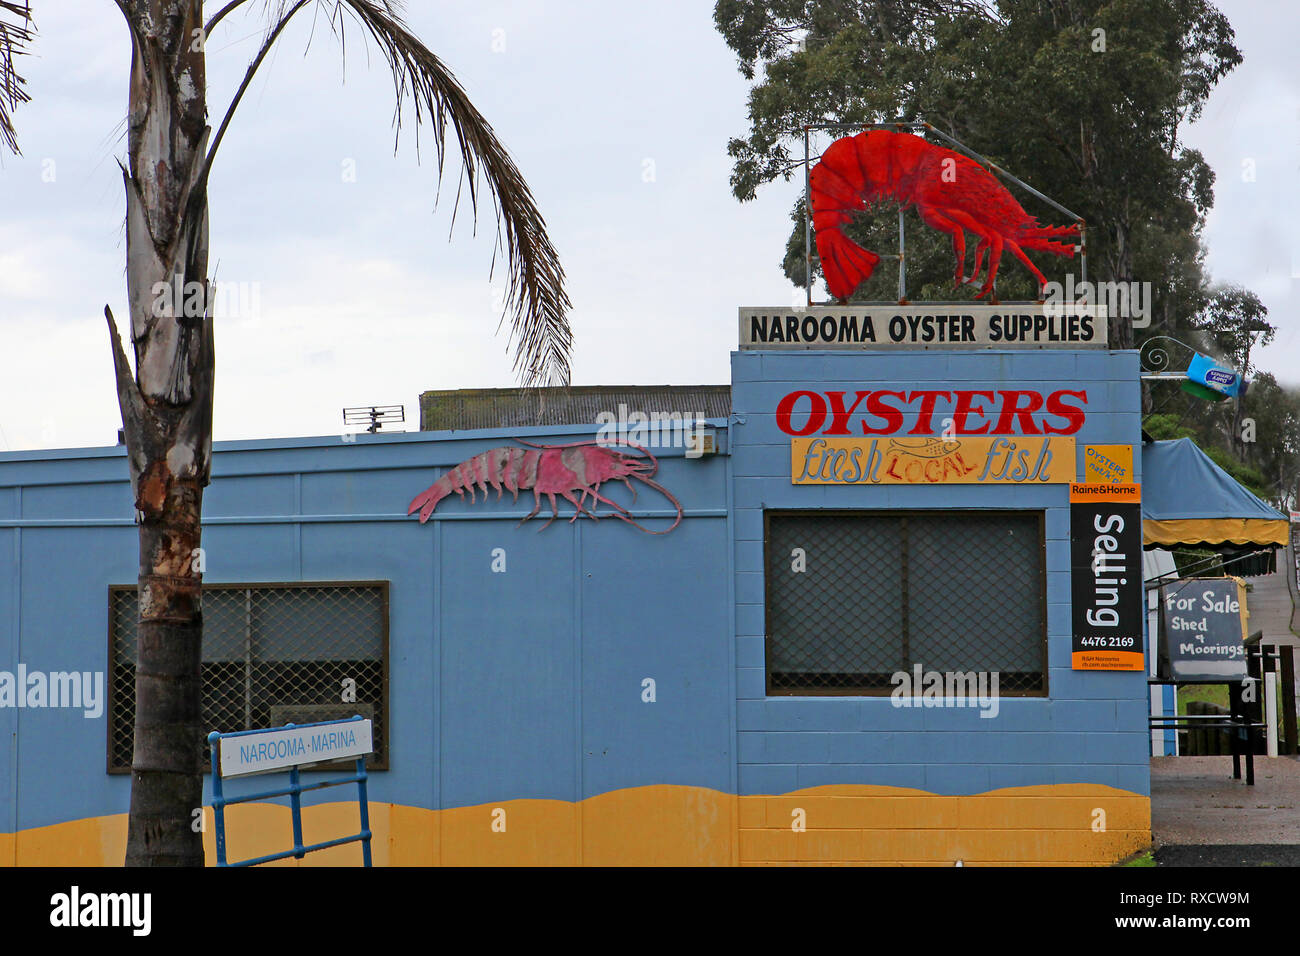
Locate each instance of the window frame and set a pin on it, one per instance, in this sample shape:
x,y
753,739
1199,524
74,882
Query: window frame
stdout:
x,y
385,604
856,692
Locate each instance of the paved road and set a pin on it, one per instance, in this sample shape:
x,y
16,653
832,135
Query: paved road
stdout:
x,y
1273,606
1194,800
1249,854
1200,815
1272,609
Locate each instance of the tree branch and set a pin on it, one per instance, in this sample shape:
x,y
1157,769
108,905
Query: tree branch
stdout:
x,y
13,37
202,179
535,289
216,17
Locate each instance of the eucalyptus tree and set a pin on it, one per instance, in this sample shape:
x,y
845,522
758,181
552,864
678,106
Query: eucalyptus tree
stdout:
x,y
166,396
1084,99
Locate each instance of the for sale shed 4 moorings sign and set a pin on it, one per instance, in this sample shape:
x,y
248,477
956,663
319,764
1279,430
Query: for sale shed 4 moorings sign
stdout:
x,y
1106,577
1204,629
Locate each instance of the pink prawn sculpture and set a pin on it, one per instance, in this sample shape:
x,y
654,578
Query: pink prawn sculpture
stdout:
x,y
550,470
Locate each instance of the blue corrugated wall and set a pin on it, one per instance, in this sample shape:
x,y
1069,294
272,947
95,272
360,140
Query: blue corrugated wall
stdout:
x,y
1092,727
526,683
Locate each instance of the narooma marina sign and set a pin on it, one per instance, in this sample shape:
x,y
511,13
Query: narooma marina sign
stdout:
x,y
925,326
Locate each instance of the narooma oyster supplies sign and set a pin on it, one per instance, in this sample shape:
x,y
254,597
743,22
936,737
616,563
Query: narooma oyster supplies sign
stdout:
x,y
926,325
1106,577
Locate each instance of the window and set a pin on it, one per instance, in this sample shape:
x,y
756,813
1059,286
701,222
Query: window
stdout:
x,y
272,654
855,597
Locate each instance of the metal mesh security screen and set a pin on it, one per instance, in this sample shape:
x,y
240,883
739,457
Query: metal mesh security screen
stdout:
x,y
855,597
272,654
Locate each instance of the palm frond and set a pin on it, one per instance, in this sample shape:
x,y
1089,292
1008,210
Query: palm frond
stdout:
x,y
535,297
15,34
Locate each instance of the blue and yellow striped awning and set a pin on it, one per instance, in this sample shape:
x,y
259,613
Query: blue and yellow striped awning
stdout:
x,y
1188,500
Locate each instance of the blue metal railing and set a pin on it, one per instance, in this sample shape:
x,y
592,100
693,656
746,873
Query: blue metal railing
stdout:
x,y
294,791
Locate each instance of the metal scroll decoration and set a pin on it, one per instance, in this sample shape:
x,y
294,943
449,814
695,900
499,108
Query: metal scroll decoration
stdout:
x,y
550,470
1156,360
951,192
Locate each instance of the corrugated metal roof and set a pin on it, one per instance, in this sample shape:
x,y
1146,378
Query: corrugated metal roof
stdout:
x,y
578,405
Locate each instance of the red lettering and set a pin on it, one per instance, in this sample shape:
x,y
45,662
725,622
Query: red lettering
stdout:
x,y
924,425
893,416
839,415
1011,408
973,411
816,415
1073,415
965,408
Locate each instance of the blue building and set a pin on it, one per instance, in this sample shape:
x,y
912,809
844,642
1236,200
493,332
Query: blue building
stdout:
x,y
753,686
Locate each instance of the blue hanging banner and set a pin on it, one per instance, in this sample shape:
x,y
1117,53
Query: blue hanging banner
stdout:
x,y
1207,373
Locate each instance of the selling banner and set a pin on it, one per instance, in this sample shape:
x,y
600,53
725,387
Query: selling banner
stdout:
x,y
1106,577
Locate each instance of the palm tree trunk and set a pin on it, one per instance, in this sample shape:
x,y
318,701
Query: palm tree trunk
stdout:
x,y
167,417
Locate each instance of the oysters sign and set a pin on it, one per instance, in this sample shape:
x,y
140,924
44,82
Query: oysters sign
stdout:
x,y
1013,436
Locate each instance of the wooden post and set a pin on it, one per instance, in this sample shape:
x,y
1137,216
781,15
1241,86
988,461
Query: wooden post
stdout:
x,y
1254,709
1288,699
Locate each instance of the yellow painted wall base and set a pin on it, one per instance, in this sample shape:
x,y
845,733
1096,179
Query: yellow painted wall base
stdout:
x,y
1060,824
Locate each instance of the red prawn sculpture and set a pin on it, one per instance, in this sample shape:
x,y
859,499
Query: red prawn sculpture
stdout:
x,y
951,192
550,470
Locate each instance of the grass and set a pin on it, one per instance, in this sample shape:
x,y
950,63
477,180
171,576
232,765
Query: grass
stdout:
x,y
1218,694
1202,693
1144,858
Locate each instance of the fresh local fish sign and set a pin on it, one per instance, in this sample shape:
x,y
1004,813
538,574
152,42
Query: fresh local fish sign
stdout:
x,y
1012,459
925,326
282,747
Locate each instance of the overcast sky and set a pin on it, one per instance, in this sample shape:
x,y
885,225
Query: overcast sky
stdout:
x,y
348,292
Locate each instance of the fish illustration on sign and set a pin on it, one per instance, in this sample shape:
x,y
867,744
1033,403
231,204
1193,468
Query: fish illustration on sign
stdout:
x,y
925,447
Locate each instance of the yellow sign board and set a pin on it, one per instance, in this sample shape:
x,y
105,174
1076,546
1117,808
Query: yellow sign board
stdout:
x,y
1108,464
1000,459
